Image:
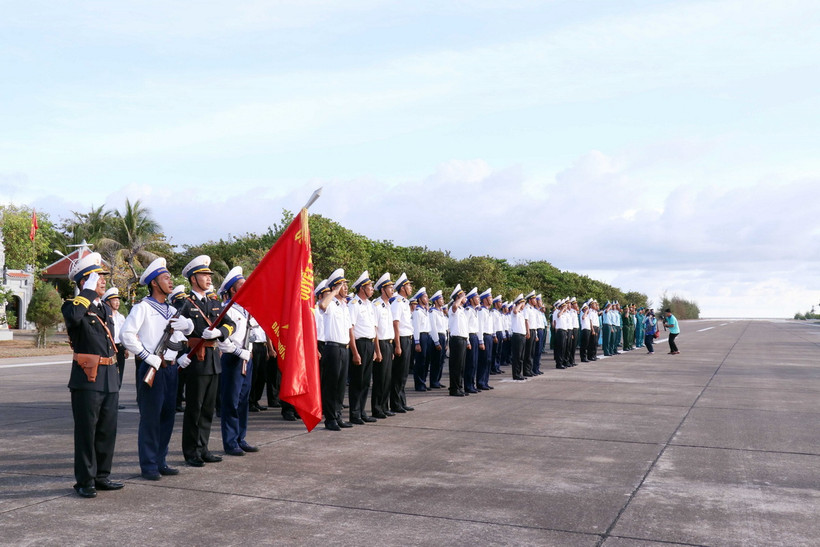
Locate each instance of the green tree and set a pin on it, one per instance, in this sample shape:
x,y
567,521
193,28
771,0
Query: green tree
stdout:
x,y
134,239
681,308
91,227
44,310
15,222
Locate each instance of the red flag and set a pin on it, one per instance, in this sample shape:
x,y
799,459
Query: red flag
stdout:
x,y
34,225
279,295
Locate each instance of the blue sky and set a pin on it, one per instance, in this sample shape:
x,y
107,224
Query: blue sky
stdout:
x,y
655,145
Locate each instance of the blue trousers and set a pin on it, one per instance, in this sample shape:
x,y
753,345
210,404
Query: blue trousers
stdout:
x,y
437,360
471,363
421,362
157,406
537,349
485,361
606,340
235,392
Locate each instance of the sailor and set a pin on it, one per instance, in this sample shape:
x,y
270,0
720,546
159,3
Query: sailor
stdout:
x,y
421,340
498,329
112,298
403,350
365,334
561,324
532,339
93,382
237,371
519,329
382,369
202,363
506,348
153,332
574,331
459,340
486,333
338,330
606,329
476,344
586,329
438,338
538,345
595,329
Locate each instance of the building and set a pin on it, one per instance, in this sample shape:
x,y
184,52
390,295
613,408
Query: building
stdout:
x,y
21,284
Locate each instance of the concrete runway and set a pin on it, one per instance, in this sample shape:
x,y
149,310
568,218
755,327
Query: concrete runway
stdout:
x,y
719,445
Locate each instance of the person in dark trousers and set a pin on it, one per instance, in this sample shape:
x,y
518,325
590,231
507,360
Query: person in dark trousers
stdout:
x,y
671,323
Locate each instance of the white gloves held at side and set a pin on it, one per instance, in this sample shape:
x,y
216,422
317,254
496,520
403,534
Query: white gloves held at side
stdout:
x,y
184,360
154,361
210,334
183,325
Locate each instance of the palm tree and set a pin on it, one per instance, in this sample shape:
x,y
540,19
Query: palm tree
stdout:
x,y
91,226
133,235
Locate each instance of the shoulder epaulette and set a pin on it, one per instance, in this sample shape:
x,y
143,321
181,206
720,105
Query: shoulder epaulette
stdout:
x,y
81,301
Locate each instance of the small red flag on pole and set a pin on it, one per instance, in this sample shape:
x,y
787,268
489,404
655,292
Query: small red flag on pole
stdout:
x,y
279,295
33,231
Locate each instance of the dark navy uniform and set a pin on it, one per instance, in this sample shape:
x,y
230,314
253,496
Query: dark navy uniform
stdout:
x,y
93,403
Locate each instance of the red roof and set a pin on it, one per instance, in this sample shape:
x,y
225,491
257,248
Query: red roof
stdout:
x,y
18,274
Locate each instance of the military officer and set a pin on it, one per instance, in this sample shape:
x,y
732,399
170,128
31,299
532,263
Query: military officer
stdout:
x,y
487,336
538,345
438,339
383,368
497,314
476,344
203,365
338,330
366,340
94,382
529,311
459,340
421,339
403,339
519,328
146,333
237,371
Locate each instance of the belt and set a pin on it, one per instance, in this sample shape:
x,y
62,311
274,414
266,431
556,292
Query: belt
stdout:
x,y
457,336
103,360
336,344
364,338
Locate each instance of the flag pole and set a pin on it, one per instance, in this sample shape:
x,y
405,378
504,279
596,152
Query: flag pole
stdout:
x,y
311,201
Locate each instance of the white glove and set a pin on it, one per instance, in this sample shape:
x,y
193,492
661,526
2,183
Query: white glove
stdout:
x,y
227,347
184,360
183,325
169,355
91,282
154,361
245,354
210,334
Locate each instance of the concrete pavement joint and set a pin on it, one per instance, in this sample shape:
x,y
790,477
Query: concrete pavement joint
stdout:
x,y
757,450
654,463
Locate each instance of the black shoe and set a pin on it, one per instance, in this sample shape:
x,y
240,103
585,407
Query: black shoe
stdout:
x,y
409,408
369,419
289,416
389,413
530,375
357,421
457,394
399,410
108,484
86,491
275,404
345,425
195,462
235,452
211,458
560,366
380,415
168,471
488,387
422,388
520,379
254,407
436,386
120,407
151,476
261,407
333,426
480,388
345,406
248,447
470,390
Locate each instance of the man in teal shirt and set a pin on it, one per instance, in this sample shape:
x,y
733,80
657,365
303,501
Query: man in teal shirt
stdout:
x,y
674,330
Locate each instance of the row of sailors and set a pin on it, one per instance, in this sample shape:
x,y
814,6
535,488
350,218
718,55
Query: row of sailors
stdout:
x,y
380,339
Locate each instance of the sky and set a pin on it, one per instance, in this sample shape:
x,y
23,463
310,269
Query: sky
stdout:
x,y
660,146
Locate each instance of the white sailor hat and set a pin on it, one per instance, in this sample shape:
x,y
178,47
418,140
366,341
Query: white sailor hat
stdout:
x,y
436,296
113,292
573,299
518,298
530,294
178,290
383,281
497,299
456,292
558,303
200,264
338,276
154,270
585,305
401,281
538,296
80,268
233,276
321,287
473,292
486,294
362,280
419,293
413,300
503,305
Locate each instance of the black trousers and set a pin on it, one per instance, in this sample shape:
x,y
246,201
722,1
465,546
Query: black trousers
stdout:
x,y
360,378
518,344
592,345
584,343
265,375
672,345
559,346
200,403
528,344
382,371
458,354
121,361
572,345
401,368
334,376
95,433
